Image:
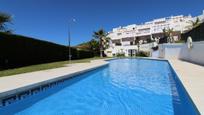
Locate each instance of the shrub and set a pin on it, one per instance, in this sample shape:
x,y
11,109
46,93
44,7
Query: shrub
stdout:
x,y
84,54
143,54
196,33
120,55
155,48
18,51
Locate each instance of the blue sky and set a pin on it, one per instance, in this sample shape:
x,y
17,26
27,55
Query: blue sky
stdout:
x,y
48,19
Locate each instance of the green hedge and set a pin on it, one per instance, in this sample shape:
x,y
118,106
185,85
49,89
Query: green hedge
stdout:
x,y
84,54
18,51
143,54
197,33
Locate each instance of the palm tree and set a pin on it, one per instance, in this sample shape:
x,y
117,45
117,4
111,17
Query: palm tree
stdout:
x,y
195,23
137,41
93,46
168,33
4,18
106,42
101,35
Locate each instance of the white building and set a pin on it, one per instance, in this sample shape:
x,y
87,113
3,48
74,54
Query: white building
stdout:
x,y
123,39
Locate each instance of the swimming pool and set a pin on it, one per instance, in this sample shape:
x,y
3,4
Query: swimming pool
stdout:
x,y
125,86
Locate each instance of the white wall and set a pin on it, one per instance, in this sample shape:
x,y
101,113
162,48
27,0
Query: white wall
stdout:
x,y
195,55
155,54
181,51
170,51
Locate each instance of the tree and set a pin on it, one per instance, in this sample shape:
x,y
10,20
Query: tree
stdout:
x,y
4,19
137,41
101,35
149,40
168,33
195,23
94,46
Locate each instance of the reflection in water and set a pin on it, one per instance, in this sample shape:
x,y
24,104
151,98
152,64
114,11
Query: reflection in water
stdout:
x,y
142,76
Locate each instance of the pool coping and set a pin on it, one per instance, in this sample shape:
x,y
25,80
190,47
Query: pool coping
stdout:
x,y
27,81
186,72
191,77
192,86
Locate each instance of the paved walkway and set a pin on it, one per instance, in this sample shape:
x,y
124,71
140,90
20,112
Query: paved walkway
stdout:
x,y
192,77
17,83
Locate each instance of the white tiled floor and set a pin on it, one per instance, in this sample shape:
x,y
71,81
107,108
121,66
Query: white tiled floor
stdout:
x,y
15,83
192,77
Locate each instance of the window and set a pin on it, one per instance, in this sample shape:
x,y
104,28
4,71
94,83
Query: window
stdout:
x,y
118,44
119,34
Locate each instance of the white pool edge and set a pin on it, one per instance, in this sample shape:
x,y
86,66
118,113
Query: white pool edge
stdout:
x,y
192,81
22,86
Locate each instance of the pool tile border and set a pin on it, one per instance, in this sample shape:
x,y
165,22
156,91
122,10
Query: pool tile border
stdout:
x,y
11,96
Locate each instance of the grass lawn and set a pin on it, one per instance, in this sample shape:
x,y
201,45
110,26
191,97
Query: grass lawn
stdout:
x,y
42,67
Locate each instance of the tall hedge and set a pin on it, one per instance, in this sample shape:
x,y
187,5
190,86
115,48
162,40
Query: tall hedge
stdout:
x,y
84,54
197,33
18,51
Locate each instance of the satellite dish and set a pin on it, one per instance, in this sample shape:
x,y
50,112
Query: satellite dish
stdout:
x,y
189,42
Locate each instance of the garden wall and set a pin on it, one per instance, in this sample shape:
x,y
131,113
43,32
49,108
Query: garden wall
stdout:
x,y
170,51
195,54
181,51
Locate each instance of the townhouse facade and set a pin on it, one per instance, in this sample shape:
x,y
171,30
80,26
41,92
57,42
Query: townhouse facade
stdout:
x,y
124,40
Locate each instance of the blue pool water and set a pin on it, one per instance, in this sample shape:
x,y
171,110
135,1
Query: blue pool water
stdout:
x,y
124,87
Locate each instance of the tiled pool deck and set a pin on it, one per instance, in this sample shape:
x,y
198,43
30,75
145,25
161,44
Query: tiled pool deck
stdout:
x,y
191,75
17,83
